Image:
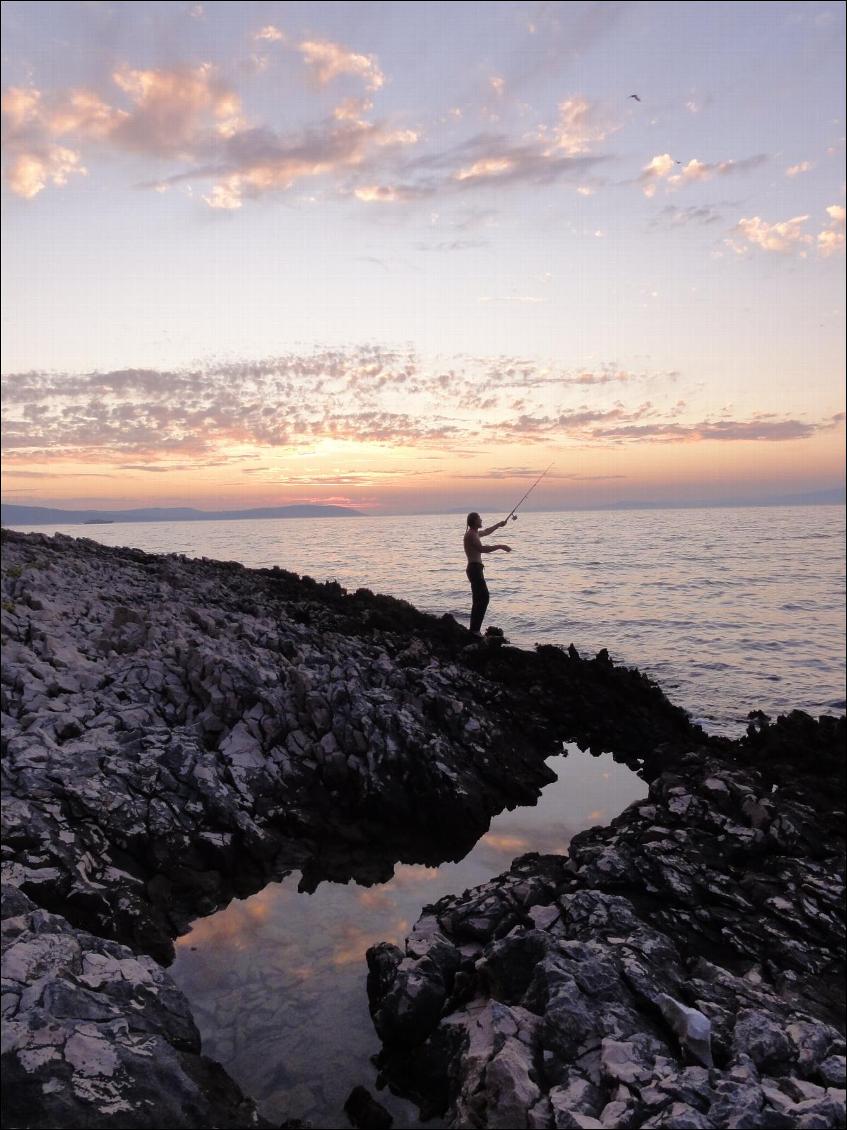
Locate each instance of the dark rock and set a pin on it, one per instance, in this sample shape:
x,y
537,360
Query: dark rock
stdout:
x,y
179,732
832,1071
762,1038
365,1112
629,979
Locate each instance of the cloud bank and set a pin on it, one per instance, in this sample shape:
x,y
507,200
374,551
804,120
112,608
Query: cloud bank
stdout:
x,y
141,419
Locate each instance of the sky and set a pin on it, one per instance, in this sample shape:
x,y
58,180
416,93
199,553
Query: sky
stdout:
x,y
405,256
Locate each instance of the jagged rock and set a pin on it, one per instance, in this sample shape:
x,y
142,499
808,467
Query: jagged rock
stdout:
x,y
761,1038
679,1117
833,1071
690,1026
620,966
176,732
365,1112
97,1036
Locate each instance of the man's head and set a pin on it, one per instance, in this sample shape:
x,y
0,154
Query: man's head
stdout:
x,y
474,520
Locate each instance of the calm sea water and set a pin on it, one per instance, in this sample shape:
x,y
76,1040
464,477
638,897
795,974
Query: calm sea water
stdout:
x,y
729,610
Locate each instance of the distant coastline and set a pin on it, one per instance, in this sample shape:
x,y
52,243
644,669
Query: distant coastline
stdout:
x,y
13,515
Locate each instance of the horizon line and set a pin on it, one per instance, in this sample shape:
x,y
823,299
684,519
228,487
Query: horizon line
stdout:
x,y
721,504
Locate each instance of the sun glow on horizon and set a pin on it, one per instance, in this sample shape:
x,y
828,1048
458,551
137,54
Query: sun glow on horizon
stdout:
x,y
318,275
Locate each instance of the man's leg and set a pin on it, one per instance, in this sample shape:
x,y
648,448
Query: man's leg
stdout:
x,y
480,599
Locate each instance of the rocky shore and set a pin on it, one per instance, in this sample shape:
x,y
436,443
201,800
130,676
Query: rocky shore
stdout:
x,y
178,732
682,968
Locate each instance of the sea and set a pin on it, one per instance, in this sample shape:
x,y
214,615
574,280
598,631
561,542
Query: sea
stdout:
x,y
730,610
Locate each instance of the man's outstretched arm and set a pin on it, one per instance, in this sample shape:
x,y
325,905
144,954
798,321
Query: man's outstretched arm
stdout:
x,y
491,529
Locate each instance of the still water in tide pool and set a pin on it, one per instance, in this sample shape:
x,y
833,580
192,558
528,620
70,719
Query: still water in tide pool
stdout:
x,y
728,610
277,981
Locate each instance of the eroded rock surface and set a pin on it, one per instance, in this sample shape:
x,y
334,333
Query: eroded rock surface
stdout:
x,y
682,967
95,1034
178,732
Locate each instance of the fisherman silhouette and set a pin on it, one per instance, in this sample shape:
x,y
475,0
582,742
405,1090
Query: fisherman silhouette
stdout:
x,y
474,550
475,571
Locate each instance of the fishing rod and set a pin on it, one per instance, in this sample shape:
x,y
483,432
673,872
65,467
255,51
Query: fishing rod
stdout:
x,y
512,513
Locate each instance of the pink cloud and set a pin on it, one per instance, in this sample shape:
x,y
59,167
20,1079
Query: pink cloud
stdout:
x,y
330,60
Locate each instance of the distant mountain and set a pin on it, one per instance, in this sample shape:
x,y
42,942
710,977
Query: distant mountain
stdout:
x,y
13,515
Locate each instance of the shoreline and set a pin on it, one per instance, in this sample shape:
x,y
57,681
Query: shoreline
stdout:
x,y
720,637
179,731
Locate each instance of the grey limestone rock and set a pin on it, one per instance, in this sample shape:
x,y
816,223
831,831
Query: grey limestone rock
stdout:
x,y
637,1026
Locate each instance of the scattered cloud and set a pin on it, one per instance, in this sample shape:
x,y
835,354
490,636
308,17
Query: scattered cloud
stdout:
x,y
181,112
452,245
352,109
330,60
192,116
377,262
783,236
153,421
533,473
166,467
830,242
796,170
382,193
256,161
174,110
759,429
493,160
485,167
13,472
831,239
346,478
225,196
20,106
673,217
661,169
29,173
658,168
788,236
270,34
580,126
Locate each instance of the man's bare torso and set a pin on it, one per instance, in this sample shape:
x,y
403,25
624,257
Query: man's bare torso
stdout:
x,y
473,546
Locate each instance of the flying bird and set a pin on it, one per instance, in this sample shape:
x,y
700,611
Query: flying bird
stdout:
x,y
635,96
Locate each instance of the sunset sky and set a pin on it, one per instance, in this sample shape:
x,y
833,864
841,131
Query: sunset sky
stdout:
x,y
404,256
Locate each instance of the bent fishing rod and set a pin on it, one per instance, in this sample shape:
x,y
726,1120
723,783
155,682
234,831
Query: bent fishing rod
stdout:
x,y
512,513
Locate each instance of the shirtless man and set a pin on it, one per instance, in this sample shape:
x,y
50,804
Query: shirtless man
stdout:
x,y
474,550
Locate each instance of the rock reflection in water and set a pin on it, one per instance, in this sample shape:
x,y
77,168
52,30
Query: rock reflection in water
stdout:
x,y
277,981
